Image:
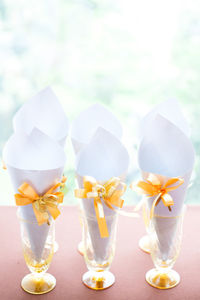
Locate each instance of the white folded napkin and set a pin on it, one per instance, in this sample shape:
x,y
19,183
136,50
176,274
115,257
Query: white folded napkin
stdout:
x,y
44,112
166,152
88,121
170,110
104,157
39,161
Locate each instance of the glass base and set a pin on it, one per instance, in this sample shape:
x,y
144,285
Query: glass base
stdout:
x,y
162,280
144,244
41,285
56,247
98,280
81,248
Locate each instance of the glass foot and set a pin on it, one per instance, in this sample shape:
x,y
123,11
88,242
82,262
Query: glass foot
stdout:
x,y
144,244
81,248
38,285
56,247
162,280
98,280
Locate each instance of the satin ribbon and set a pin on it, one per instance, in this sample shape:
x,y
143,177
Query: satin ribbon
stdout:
x,y
153,187
107,192
42,205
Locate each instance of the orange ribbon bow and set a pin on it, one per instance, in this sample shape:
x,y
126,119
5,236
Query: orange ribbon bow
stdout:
x,y
42,205
107,192
153,187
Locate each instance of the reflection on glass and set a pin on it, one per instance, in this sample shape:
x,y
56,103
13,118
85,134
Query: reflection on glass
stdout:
x,y
80,247
144,241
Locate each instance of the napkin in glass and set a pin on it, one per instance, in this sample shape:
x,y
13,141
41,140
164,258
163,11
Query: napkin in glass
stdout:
x,y
103,158
166,152
44,112
39,161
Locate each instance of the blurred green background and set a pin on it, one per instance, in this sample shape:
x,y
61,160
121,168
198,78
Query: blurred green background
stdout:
x,y
127,54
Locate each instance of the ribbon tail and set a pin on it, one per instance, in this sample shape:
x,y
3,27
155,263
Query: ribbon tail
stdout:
x,y
167,200
54,211
42,217
103,229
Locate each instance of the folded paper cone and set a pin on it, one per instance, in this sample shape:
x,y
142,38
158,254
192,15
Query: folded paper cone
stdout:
x,y
39,161
167,152
44,112
170,110
88,121
104,157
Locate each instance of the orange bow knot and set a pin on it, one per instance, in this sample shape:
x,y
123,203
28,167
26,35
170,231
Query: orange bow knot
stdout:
x,y
42,205
108,192
153,187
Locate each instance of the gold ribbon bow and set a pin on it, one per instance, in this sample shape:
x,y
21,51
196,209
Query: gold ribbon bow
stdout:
x,y
107,192
153,187
42,205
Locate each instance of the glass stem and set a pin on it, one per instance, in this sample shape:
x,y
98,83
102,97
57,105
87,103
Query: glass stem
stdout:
x,y
38,276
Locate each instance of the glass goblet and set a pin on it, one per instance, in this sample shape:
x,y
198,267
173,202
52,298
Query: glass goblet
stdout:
x,y
38,249
99,253
165,243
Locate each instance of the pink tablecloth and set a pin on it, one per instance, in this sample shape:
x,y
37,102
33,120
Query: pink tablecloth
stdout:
x,y
129,266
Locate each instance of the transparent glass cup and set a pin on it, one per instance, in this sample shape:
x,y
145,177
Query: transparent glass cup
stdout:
x,y
37,257
99,253
165,242
144,242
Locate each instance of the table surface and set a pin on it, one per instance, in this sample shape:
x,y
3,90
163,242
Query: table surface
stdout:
x,y
129,266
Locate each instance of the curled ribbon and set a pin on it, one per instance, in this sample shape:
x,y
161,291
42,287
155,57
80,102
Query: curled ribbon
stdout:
x,y
153,187
42,205
107,192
